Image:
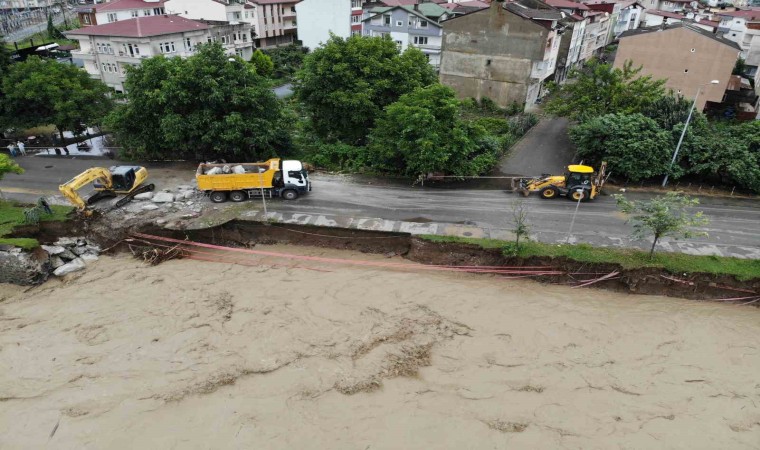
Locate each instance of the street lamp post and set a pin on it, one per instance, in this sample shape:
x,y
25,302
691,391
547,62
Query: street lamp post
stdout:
x,y
683,133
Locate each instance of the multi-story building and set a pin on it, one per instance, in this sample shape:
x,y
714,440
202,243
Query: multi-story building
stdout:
x,y
596,34
274,20
108,49
317,19
117,10
505,52
687,57
656,18
571,44
417,25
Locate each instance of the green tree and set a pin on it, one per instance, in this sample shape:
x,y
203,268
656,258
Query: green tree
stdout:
x,y
520,222
8,165
202,107
670,110
422,133
5,59
740,67
346,84
263,63
634,146
287,60
600,89
665,215
52,31
730,152
42,92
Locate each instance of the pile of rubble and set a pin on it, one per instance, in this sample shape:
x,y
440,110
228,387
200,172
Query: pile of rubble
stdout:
x,y
185,197
71,254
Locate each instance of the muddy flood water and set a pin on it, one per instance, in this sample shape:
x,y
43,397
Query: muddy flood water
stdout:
x,y
284,355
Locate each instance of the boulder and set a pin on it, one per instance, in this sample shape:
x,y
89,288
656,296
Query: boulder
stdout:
x,y
93,248
79,250
144,196
74,266
67,255
89,257
56,262
163,197
64,241
238,169
53,249
150,207
187,195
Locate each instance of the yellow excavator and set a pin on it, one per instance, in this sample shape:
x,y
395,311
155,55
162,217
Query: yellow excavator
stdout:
x,y
117,180
578,183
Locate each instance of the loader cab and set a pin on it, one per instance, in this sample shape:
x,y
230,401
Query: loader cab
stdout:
x,y
578,175
123,177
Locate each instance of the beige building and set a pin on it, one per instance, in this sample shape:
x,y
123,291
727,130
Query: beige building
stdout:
x,y
504,52
686,56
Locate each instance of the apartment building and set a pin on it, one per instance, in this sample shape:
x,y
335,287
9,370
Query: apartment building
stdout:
x,y
117,10
317,19
596,34
275,21
417,25
571,44
108,49
505,52
686,56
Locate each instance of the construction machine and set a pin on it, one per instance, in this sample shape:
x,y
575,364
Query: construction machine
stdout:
x,y
578,183
288,179
111,182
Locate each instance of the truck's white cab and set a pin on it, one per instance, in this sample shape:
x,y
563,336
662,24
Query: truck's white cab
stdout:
x,y
294,179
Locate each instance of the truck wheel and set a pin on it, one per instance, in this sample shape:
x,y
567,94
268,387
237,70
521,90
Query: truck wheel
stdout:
x,y
237,196
290,194
548,192
218,197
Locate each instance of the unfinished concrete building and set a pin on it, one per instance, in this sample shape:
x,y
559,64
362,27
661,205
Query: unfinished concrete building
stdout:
x,y
504,52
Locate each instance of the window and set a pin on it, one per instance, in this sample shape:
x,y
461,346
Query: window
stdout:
x,y
420,40
246,14
224,39
399,23
86,19
158,11
239,53
167,47
244,36
146,12
112,17
387,20
188,45
356,4
423,23
236,15
356,19
399,43
135,13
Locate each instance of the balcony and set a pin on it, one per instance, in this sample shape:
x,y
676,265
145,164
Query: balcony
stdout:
x,y
542,69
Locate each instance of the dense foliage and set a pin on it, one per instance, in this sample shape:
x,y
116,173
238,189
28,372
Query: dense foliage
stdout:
x,y
42,92
287,60
202,107
262,63
634,125
346,84
599,89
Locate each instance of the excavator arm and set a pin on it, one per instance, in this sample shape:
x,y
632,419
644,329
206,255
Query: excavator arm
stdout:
x,y
70,188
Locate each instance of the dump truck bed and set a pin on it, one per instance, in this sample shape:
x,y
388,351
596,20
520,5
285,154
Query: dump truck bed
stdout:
x,y
257,175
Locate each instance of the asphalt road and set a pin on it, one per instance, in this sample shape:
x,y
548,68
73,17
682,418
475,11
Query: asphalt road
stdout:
x,y
733,228
546,148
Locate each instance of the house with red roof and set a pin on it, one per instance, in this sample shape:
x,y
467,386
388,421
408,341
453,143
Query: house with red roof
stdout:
x,y
108,49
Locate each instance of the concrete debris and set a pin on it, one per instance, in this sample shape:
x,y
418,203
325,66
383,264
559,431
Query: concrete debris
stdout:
x,y
144,196
66,241
184,187
74,266
160,221
186,195
79,250
56,262
67,255
54,249
214,171
163,197
238,169
89,257
149,207
23,268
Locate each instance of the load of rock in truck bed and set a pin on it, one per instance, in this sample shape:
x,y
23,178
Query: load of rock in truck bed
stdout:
x,y
236,169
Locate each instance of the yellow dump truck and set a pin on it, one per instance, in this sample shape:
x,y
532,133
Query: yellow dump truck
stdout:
x,y
237,182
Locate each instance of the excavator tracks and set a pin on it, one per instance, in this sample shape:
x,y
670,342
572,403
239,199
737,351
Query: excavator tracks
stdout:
x,y
128,198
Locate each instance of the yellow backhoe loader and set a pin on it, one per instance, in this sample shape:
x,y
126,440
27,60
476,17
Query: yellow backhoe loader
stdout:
x,y
579,183
117,180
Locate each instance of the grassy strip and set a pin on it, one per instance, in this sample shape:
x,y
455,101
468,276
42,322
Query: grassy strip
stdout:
x,y
12,215
743,269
